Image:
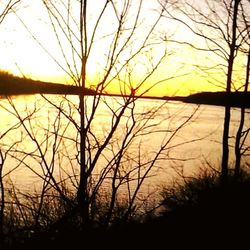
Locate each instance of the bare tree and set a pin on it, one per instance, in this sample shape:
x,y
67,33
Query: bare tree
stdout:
x,y
6,7
218,26
131,56
117,66
242,133
110,156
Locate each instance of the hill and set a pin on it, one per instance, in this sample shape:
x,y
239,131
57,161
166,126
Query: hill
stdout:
x,y
13,85
233,99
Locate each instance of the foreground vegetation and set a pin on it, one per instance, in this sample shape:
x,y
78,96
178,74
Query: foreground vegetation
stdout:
x,y
194,212
204,211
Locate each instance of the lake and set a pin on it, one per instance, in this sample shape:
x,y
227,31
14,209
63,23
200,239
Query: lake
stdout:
x,y
38,139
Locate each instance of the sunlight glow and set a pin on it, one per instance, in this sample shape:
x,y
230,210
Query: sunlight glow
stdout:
x,y
22,55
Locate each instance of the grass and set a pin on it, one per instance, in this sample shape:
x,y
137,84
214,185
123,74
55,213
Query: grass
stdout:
x,y
197,213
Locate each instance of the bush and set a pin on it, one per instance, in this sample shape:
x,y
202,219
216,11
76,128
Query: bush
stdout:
x,y
208,209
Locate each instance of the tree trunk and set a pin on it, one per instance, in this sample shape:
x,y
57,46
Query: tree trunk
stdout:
x,y
237,145
82,193
225,146
240,129
225,143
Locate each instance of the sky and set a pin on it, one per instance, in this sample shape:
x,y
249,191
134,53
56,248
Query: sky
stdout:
x,y
27,38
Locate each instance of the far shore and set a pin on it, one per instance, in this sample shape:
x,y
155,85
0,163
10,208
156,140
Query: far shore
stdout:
x,y
11,85
233,99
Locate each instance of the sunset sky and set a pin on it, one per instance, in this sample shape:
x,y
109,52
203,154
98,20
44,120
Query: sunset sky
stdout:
x,y
22,55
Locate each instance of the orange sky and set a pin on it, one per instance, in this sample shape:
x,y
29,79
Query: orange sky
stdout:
x,y
20,54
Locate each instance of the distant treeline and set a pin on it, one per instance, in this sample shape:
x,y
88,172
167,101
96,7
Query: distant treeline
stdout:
x,y
233,99
14,85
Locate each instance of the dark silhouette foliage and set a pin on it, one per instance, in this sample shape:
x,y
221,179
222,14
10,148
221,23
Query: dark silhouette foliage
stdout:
x,y
201,213
212,211
14,85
